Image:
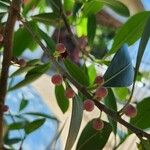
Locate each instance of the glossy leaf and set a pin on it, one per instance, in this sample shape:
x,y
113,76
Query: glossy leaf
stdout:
x,y
120,72
91,73
62,101
49,41
142,120
76,72
48,18
142,46
91,28
30,65
92,7
92,139
13,141
26,40
17,125
31,76
110,102
117,6
38,114
23,104
76,118
121,93
34,125
131,31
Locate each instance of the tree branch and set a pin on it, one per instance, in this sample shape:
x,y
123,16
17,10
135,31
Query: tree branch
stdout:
x,y
114,115
7,54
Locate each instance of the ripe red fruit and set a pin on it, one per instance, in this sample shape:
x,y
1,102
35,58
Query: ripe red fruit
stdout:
x,y
69,93
57,79
99,80
22,62
60,48
101,92
1,38
5,108
98,124
88,105
130,111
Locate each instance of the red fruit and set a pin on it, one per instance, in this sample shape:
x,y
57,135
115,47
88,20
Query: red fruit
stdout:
x,y
57,79
99,80
101,92
5,108
82,42
98,124
1,38
68,13
64,55
60,48
69,93
130,111
88,105
22,62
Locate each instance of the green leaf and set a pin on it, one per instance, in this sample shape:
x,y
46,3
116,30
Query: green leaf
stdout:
x,y
26,40
91,28
142,46
76,118
91,139
55,5
131,31
120,72
68,5
41,115
48,18
121,93
110,102
62,101
49,41
76,72
30,65
32,75
34,125
92,7
91,73
117,6
13,141
23,104
17,125
142,119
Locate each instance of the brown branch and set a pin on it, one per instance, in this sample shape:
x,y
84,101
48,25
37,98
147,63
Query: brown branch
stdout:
x,y
114,115
7,43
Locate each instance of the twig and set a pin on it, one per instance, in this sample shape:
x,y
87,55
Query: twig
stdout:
x,y
114,115
7,43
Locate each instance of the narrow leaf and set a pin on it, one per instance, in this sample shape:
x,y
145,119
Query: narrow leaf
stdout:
x,y
76,118
23,104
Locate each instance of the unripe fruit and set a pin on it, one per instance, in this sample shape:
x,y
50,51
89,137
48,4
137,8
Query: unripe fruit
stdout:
x,y
130,111
57,79
60,48
101,92
1,38
5,108
22,62
69,93
98,124
88,105
99,80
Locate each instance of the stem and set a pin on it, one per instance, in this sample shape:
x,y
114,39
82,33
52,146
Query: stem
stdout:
x,y
14,9
114,115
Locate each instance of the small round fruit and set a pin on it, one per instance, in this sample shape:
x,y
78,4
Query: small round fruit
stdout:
x,y
5,108
1,38
99,80
130,111
60,48
57,79
101,92
69,93
98,124
22,62
88,105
